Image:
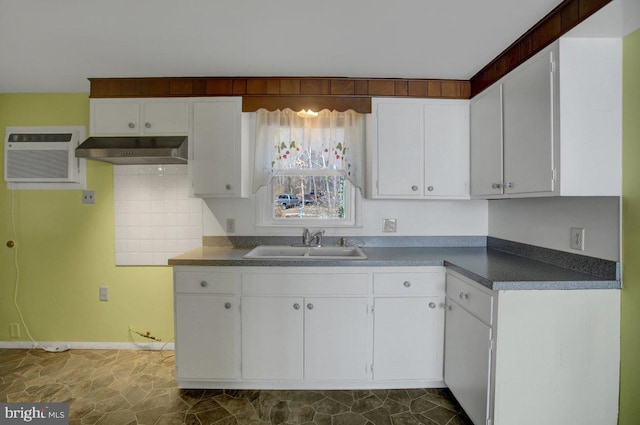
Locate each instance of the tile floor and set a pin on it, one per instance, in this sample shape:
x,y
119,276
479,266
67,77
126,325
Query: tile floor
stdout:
x,y
122,387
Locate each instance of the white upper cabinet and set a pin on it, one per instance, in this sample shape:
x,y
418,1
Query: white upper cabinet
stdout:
x,y
486,142
419,149
552,126
113,117
219,166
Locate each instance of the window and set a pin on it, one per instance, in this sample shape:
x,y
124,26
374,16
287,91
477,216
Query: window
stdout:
x,y
306,168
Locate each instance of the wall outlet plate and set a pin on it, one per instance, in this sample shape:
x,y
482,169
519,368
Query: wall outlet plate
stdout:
x,y
577,238
389,225
231,225
88,196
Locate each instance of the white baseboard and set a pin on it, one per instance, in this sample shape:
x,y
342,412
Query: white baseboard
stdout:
x,y
152,346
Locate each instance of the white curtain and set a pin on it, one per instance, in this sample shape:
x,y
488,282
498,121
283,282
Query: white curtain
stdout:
x,y
331,143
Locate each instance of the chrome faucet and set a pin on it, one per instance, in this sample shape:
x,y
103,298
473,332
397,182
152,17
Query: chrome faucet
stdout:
x,y
308,238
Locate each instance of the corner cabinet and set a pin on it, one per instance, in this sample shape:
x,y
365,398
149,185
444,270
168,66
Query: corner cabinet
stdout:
x,y
220,149
419,149
509,352
309,327
551,127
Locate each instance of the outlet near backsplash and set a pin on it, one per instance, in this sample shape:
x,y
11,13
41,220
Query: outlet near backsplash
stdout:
x,y
155,219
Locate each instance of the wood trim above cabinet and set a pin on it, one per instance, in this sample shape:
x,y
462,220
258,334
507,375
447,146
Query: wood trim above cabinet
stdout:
x,y
273,87
361,104
559,21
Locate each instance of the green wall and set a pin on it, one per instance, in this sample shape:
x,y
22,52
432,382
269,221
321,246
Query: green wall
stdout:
x,y
630,334
66,249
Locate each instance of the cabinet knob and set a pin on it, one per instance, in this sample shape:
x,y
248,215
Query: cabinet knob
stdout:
x,y
310,306
508,185
449,307
296,306
414,188
407,284
228,187
132,125
227,305
430,188
204,283
432,305
496,186
464,296
147,125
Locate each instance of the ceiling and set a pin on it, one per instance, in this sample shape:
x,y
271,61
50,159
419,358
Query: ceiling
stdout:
x,y
54,46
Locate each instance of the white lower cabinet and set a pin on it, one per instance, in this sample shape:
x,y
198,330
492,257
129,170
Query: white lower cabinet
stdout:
x,y
309,327
287,338
207,325
272,338
408,325
532,356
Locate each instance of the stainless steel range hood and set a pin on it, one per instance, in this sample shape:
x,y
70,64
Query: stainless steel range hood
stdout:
x,y
135,150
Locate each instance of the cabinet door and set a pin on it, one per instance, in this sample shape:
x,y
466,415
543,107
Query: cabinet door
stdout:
x,y
467,361
166,118
486,142
335,338
206,337
408,338
272,338
528,128
115,118
400,150
446,127
216,163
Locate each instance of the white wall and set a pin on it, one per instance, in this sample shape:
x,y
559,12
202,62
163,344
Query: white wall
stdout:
x,y
546,222
414,218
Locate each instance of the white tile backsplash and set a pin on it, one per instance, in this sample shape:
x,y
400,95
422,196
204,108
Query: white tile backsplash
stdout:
x,y
155,219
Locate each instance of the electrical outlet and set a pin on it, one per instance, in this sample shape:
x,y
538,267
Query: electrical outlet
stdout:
x,y
577,238
104,293
88,196
389,225
14,329
231,225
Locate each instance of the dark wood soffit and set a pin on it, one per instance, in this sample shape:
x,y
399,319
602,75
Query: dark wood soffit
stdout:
x,y
268,87
560,20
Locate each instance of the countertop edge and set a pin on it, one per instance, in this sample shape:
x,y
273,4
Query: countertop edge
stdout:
x,y
233,257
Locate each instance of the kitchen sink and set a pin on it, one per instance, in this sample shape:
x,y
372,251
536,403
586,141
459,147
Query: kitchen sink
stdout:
x,y
287,252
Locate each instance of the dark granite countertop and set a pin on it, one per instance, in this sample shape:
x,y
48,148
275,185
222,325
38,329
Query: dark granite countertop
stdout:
x,y
495,269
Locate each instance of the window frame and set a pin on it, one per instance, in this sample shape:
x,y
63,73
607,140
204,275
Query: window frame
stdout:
x,y
265,200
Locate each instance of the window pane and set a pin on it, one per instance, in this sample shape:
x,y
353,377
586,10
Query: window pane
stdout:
x,y
308,196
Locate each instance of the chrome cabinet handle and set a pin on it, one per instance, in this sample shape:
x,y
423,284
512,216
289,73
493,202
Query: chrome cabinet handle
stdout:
x,y
432,305
508,185
204,283
147,125
310,306
296,306
407,284
430,188
496,186
414,188
227,305
132,125
464,296
449,307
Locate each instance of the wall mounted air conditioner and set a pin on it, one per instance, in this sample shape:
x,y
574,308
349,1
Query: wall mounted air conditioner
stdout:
x,y
44,158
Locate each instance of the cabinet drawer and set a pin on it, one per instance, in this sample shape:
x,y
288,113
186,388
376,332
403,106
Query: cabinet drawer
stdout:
x,y
470,298
409,283
205,283
304,283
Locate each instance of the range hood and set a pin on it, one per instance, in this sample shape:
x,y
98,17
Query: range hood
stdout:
x,y
135,150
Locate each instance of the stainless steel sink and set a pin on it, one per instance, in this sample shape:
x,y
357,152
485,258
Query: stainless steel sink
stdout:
x,y
286,252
